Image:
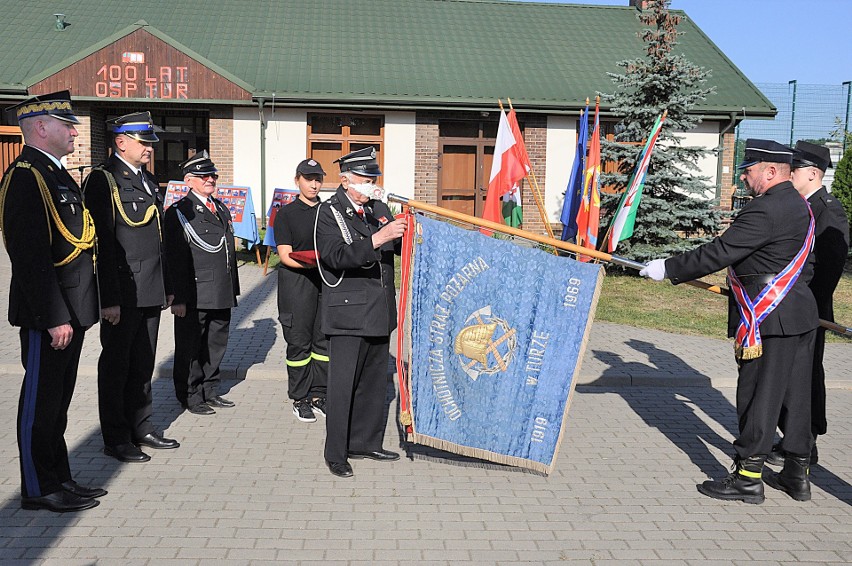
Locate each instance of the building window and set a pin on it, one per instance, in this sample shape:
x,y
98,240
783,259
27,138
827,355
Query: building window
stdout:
x,y
333,135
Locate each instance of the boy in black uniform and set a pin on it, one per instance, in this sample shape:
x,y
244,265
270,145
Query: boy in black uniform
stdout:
x,y
357,238
134,288
53,296
199,238
299,290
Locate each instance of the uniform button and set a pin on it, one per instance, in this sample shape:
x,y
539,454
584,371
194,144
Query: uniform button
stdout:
x,y
345,300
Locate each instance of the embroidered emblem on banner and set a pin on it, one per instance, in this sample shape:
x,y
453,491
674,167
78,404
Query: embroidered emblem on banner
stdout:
x,y
487,346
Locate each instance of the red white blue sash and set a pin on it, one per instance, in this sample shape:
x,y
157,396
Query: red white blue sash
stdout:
x,y
748,345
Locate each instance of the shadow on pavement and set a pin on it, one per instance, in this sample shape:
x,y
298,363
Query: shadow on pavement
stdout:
x,y
88,463
675,412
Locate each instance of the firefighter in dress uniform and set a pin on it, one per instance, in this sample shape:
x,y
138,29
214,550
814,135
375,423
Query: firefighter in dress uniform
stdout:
x,y
299,292
134,287
200,251
831,246
53,298
767,249
357,238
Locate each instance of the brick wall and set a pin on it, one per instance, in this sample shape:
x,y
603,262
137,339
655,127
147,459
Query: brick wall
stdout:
x,y
426,158
222,142
535,138
82,156
728,179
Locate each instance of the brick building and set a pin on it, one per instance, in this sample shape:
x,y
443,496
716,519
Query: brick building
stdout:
x,y
262,85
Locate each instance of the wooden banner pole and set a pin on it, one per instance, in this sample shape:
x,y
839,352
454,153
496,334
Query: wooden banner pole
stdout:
x,y
567,246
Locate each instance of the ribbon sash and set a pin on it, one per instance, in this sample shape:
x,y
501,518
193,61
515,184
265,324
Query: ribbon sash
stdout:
x,y
748,345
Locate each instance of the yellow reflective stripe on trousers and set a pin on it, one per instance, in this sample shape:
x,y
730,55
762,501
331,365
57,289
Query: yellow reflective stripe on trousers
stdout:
x,y
749,474
319,357
299,363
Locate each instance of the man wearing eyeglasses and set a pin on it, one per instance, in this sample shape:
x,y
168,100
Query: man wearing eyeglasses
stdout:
x,y
199,236
134,287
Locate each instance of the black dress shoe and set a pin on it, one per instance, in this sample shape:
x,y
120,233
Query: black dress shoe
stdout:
x,y
341,470
201,409
156,440
82,491
380,455
126,453
59,502
219,401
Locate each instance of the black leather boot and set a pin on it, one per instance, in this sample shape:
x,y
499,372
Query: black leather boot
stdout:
x,y
776,457
793,478
744,483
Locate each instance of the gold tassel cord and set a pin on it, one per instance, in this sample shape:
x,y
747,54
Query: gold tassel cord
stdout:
x,y
86,240
149,213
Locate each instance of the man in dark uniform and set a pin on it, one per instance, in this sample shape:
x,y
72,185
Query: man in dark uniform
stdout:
x,y
128,209
53,296
299,292
767,249
831,247
357,238
200,251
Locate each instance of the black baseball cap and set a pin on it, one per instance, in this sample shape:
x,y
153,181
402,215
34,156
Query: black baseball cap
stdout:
x,y
309,167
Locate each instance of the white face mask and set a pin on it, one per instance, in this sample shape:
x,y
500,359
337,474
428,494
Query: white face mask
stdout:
x,y
369,190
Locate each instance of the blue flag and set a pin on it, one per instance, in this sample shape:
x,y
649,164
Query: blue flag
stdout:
x,y
574,191
497,336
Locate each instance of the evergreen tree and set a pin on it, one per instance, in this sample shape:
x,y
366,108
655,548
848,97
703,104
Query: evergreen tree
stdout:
x,y
841,186
676,211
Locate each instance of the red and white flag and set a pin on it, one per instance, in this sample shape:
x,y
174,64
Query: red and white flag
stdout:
x,y
507,170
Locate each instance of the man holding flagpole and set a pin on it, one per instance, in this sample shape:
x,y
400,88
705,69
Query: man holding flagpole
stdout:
x,y
773,316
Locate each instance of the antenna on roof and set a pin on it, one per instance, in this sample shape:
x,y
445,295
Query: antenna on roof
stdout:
x,y
60,23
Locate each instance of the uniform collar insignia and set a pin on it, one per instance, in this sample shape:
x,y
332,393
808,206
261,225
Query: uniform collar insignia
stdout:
x,y
349,211
199,208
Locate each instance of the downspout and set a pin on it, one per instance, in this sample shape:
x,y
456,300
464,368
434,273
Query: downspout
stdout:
x,y
260,102
719,171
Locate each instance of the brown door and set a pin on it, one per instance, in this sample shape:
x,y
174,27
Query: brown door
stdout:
x,y
465,152
11,144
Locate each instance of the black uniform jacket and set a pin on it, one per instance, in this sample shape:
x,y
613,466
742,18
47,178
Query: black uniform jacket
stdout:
x,y
830,249
202,280
131,267
763,239
42,296
364,304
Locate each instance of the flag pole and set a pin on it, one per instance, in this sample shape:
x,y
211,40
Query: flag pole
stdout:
x,y
574,248
629,179
539,202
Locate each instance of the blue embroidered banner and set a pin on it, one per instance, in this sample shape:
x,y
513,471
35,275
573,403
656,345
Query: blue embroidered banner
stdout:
x,y
498,333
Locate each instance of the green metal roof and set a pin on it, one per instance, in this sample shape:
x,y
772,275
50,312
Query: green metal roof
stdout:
x,y
393,53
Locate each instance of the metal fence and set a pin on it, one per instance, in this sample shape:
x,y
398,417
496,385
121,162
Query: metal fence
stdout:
x,y
817,113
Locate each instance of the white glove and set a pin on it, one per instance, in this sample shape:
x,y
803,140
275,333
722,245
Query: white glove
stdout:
x,y
656,270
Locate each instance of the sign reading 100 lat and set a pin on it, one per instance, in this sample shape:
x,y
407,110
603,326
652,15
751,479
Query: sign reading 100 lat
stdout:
x,y
135,79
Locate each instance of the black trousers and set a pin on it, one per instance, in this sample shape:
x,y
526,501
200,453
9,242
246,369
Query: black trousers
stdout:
x,y
780,377
819,423
125,367
357,386
307,345
49,379
201,338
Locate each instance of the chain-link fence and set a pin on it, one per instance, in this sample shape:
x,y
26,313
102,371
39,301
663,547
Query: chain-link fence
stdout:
x,y
817,113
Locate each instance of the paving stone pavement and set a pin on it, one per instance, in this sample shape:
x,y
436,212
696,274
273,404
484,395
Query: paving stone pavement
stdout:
x,y
653,415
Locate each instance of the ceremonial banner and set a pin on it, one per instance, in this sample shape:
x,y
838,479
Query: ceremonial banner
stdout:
x,y
498,332
237,199
280,197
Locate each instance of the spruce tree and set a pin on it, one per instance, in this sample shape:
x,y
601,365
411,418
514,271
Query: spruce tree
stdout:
x,y
841,186
676,211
